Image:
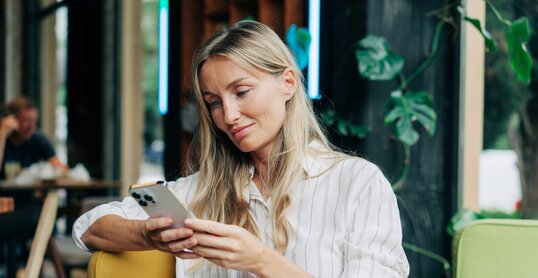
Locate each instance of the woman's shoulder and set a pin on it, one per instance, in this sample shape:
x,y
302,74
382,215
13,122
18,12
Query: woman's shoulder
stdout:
x,y
353,171
335,160
184,185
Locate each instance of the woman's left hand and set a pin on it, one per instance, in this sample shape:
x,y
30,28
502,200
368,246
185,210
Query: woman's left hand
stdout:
x,y
228,246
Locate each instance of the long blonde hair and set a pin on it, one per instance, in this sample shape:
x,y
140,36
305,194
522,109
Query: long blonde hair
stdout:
x,y
223,169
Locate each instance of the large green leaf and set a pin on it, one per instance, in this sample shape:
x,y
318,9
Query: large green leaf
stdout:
x,y
404,109
344,127
465,216
461,219
376,61
347,128
298,40
488,40
517,37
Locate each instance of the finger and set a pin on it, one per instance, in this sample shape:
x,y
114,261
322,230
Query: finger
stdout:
x,y
213,241
158,223
210,253
175,234
211,227
186,255
180,245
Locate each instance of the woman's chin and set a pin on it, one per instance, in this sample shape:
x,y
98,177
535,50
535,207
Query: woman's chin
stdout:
x,y
245,146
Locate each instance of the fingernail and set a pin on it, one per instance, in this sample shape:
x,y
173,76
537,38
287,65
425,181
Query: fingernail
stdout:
x,y
188,221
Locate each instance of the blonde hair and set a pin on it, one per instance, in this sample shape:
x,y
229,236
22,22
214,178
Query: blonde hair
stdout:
x,y
224,170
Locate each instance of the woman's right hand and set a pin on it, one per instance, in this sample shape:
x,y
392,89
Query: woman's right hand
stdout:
x,y
159,235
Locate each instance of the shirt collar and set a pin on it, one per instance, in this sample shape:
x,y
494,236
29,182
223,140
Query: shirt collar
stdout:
x,y
312,163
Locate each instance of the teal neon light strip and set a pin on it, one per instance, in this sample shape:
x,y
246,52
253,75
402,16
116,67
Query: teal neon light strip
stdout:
x,y
163,56
313,59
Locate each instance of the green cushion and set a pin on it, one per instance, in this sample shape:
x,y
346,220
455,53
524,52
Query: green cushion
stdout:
x,y
497,248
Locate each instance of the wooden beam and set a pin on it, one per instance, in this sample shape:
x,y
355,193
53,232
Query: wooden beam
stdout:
x,y
131,95
471,118
48,76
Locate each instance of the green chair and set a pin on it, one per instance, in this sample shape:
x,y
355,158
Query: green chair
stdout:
x,y
493,248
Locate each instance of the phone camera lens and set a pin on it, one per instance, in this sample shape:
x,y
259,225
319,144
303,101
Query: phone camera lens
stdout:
x,y
142,203
148,198
135,195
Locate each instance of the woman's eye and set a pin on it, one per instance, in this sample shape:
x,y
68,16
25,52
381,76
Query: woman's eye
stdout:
x,y
243,93
215,103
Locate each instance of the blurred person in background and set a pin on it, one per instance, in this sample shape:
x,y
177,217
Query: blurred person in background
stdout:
x,y
21,144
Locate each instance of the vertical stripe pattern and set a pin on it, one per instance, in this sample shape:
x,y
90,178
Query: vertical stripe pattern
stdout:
x,y
345,222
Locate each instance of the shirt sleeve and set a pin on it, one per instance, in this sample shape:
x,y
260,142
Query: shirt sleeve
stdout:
x,y
373,246
128,208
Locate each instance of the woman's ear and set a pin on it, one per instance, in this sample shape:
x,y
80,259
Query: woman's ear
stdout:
x,y
289,83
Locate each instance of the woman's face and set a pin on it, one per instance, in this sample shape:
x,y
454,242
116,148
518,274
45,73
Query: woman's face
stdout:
x,y
249,108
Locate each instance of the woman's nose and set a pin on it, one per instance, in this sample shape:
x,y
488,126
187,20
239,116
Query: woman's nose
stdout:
x,y
231,112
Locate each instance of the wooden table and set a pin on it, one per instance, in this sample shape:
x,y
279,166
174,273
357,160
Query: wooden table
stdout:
x,y
71,185
76,191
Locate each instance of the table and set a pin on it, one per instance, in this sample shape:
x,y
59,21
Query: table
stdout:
x,y
76,191
72,185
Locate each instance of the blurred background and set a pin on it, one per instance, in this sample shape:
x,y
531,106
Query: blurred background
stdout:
x,y
110,80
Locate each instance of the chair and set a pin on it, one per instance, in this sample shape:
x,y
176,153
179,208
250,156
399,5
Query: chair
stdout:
x,y
497,248
67,254
45,224
132,264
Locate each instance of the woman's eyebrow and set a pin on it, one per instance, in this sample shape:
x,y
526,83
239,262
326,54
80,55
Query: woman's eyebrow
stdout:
x,y
233,83
230,85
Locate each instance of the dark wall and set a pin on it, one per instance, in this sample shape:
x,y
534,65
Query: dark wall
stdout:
x,y
3,36
85,85
428,199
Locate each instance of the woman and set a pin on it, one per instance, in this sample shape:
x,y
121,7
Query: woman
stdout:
x,y
271,196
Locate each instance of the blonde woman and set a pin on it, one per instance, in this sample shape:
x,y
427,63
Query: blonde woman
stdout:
x,y
272,198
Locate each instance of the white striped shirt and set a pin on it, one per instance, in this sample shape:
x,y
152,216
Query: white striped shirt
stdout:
x,y
345,222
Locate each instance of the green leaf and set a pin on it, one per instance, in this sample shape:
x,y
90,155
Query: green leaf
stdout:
x,y
465,216
341,126
404,132
298,40
517,37
460,219
375,61
328,116
359,131
404,109
488,40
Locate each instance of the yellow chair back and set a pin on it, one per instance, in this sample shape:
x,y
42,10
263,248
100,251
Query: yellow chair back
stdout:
x,y
132,264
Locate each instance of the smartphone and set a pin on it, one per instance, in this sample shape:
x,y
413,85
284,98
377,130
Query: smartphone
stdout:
x,y
158,201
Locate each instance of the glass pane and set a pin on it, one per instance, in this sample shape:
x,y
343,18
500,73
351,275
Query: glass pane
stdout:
x,y
504,95
61,96
151,168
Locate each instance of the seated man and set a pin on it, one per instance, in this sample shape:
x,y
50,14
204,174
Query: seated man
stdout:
x,y
21,141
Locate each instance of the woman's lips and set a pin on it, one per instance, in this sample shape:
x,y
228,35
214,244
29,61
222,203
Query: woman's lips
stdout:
x,y
239,132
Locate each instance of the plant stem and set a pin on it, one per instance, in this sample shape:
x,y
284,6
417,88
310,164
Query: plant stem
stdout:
x,y
403,81
497,13
429,254
431,57
405,171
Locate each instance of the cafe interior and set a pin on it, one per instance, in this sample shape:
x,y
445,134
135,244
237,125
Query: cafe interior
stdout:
x,y
108,79
109,82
